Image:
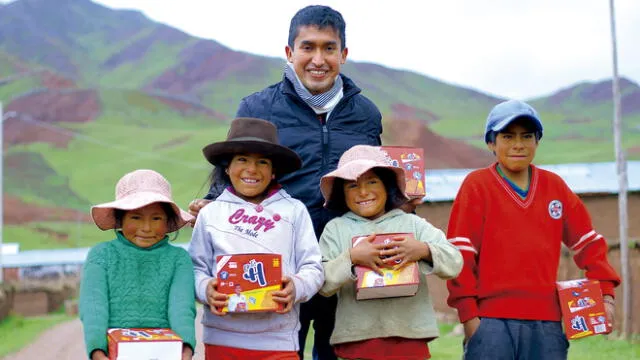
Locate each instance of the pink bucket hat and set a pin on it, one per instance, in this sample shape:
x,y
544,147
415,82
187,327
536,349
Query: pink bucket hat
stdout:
x,y
357,161
134,190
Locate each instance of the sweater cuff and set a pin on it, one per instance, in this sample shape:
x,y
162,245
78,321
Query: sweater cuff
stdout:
x,y
467,308
608,288
201,290
298,285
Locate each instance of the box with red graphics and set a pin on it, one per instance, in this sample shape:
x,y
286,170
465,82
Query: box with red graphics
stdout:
x,y
129,344
583,309
411,160
392,282
250,280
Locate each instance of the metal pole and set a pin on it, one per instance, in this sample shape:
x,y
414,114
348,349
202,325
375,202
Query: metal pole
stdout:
x,y
622,183
1,190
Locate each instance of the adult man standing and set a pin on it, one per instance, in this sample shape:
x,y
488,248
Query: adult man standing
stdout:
x,y
319,114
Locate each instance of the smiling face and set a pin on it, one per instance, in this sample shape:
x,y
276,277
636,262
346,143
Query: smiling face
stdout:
x,y
316,57
250,175
145,226
515,147
367,196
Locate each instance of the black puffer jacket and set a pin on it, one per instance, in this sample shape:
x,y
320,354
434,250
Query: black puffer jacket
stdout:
x,y
354,121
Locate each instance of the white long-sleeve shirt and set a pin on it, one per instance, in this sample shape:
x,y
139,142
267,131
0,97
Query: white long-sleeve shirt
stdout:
x,y
280,225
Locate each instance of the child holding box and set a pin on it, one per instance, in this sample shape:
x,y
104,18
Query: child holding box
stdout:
x,y
509,221
369,190
138,280
254,215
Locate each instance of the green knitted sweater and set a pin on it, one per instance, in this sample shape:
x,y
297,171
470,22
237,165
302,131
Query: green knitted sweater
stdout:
x,y
126,286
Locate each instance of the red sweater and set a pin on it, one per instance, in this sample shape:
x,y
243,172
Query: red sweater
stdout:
x,y
511,247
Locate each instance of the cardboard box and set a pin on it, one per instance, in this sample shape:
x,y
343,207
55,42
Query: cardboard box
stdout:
x,y
144,344
411,160
250,280
393,283
583,309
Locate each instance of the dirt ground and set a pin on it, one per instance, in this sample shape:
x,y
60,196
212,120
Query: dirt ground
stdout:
x,y
65,342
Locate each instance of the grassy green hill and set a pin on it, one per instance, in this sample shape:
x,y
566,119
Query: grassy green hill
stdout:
x,y
96,93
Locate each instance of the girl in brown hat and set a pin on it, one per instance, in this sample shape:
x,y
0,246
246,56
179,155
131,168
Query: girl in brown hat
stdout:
x,y
368,189
254,215
138,280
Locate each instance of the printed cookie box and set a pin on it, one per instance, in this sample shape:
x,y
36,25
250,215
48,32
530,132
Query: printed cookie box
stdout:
x,y
250,280
143,343
411,160
582,307
393,283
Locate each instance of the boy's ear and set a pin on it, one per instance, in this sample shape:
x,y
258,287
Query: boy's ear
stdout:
x,y
492,147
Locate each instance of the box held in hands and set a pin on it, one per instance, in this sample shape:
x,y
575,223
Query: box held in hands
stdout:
x,y
393,283
583,311
250,280
143,344
411,160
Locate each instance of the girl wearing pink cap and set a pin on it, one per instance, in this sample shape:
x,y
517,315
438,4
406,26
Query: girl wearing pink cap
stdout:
x,y
138,280
368,189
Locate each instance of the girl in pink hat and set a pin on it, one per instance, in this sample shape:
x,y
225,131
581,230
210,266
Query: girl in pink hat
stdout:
x,y
254,215
368,189
138,280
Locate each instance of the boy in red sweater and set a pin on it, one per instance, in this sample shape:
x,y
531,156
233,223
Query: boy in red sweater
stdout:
x,y
508,221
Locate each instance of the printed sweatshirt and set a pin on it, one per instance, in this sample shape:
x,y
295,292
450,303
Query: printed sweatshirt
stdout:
x,y
281,225
410,317
126,286
511,246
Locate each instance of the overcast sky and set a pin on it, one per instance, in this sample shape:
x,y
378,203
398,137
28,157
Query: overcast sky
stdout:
x,y
511,48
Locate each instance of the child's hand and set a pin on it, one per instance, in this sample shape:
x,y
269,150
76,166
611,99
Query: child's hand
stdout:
x,y
99,355
194,208
367,254
286,296
610,309
187,352
404,250
216,300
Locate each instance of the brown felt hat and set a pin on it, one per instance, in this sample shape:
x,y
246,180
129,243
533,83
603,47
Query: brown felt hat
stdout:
x,y
251,135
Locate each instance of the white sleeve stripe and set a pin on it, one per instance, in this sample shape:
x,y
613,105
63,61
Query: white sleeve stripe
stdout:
x,y
460,240
583,238
467,248
588,242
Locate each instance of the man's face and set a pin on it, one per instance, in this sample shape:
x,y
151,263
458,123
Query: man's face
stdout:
x,y
316,57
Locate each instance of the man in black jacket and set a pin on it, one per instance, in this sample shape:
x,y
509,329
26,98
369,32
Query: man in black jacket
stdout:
x,y
319,114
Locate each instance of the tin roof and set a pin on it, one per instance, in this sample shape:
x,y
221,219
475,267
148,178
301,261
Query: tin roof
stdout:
x,y
582,178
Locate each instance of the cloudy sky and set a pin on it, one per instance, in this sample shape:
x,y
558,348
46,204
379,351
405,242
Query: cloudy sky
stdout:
x,y
512,48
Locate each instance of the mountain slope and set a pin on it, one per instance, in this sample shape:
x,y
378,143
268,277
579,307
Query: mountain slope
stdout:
x,y
93,93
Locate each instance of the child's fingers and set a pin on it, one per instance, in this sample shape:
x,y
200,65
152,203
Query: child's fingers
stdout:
x,y
376,265
401,264
399,238
287,307
216,309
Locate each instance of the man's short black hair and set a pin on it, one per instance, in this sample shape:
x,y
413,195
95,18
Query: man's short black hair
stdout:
x,y
320,16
